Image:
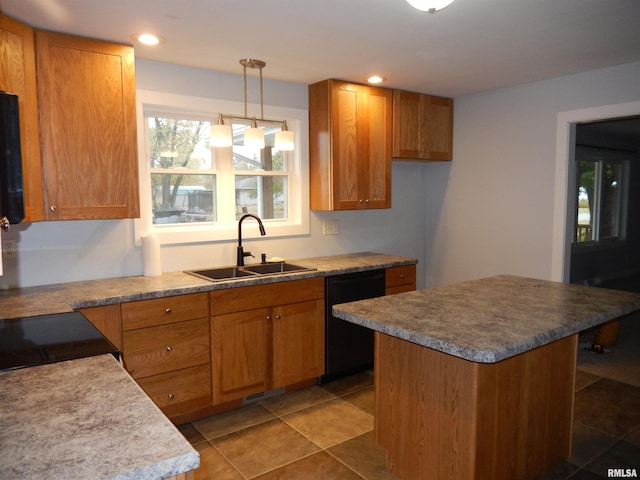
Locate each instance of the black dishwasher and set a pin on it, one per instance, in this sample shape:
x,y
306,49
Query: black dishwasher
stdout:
x,y
348,347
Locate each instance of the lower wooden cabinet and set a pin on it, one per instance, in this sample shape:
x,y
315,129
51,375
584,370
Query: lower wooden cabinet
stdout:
x,y
274,338
400,279
165,348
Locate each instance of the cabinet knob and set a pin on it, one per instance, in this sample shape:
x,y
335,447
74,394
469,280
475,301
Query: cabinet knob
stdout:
x,y
402,275
277,317
268,317
171,396
167,310
53,208
169,349
366,201
360,201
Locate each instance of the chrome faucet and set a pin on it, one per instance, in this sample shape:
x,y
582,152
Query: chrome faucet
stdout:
x,y
241,252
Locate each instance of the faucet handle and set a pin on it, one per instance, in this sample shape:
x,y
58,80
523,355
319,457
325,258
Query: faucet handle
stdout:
x,y
248,254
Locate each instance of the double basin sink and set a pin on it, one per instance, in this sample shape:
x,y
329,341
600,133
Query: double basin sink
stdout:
x,y
231,273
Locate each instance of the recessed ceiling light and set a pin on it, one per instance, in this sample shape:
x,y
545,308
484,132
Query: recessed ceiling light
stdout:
x,y
147,38
376,79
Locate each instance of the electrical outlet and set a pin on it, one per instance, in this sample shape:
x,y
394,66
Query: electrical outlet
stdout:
x,y
9,248
330,228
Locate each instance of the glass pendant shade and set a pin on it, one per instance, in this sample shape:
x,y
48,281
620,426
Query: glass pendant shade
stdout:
x,y
254,136
430,6
284,139
221,134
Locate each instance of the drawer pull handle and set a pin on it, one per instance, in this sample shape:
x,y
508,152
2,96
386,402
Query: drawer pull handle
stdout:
x,y
167,310
171,396
169,348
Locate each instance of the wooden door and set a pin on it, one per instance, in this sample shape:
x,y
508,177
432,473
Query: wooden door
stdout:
x,y
86,92
375,130
240,354
347,182
298,342
18,76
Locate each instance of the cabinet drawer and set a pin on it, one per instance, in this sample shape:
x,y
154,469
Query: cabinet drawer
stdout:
x,y
160,311
268,295
154,350
403,275
179,391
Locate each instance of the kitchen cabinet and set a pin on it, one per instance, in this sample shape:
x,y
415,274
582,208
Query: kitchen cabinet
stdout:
x,y
86,97
400,279
349,146
266,336
165,348
18,76
422,126
108,320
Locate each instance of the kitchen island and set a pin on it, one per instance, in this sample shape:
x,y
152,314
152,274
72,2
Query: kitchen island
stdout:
x,y
476,380
86,418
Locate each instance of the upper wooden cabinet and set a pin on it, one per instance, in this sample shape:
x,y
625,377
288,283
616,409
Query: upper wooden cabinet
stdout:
x,y
86,95
349,146
18,76
422,126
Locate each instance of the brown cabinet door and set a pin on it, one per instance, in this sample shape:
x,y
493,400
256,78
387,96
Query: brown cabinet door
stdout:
x,y
376,164
298,342
422,126
86,93
18,76
240,354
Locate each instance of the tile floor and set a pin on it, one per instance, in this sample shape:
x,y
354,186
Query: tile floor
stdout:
x,y
326,432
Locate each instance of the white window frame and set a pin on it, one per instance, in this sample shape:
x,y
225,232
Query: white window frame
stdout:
x,y
599,157
226,227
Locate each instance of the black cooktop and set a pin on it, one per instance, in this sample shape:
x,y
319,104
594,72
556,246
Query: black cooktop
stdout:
x,y
31,341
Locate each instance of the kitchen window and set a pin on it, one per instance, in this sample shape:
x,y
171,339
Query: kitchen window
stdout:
x,y
191,191
602,191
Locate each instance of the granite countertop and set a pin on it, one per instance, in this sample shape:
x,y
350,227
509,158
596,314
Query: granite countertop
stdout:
x,y
82,419
490,319
66,297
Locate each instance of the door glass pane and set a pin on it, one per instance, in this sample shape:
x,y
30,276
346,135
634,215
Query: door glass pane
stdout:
x,y
586,199
265,196
178,198
611,200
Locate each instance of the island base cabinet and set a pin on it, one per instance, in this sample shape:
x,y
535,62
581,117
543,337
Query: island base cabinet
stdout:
x,y
442,417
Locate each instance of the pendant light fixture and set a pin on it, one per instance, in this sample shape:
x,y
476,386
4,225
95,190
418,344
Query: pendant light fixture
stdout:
x,y
431,6
222,135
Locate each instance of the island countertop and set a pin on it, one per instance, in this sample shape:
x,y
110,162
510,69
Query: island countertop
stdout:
x,y
85,418
490,319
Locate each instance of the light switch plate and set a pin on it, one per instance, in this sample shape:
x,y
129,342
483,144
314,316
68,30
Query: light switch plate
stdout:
x,y
9,249
330,228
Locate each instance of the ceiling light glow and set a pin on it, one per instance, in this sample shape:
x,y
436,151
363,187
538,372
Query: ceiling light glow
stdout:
x,y
147,38
376,79
431,6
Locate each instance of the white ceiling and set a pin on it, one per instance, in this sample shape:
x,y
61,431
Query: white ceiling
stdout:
x,y
470,46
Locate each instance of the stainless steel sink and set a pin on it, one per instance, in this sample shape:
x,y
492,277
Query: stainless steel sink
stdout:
x,y
222,273
277,267
231,273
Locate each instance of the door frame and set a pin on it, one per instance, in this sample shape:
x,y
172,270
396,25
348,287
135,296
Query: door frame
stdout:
x,y
565,178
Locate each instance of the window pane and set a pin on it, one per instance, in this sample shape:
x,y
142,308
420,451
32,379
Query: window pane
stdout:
x,y
179,143
248,159
586,197
611,200
265,196
183,198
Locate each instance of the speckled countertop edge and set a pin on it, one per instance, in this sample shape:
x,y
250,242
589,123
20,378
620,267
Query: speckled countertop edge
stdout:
x,y
490,319
65,297
85,418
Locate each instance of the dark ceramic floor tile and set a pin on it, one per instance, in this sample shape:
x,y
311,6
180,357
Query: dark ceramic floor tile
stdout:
x,y
349,384
560,472
584,379
585,475
319,466
330,423
232,421
634,437
213,466
615,393
264,447
191,433
622,455
364,456
299,400
362,399
588,444
614,416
